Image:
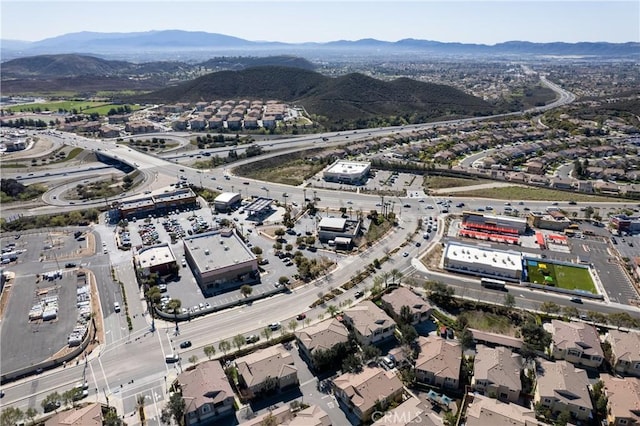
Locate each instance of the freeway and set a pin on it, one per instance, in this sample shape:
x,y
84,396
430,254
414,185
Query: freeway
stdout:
x,y
114,380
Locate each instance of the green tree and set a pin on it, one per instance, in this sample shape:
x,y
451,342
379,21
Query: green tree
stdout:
x,y
370,352
246,290
209,351
352,363
51,400
409,334
30,414
11,416
174,306
509,301
111,418
563,418
406,316
239,341
266,333
293,324
283,280
550,308
224,346
193,359
332,310
570,311
175,410
466,338
535,335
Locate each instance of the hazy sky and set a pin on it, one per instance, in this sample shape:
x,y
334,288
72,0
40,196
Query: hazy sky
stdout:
x,y
470,21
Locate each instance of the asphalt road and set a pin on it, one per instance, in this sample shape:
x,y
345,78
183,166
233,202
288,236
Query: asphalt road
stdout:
x,y
131,364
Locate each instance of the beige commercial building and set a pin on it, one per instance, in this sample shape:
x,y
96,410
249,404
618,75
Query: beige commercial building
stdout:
x,y
220,261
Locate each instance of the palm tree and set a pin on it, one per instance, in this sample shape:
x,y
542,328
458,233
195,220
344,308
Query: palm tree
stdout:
x,y
396,275
332,310
140,408
174,306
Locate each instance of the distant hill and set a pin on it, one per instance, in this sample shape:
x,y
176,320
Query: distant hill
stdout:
x,y
47,66
156,45
349,97
73,65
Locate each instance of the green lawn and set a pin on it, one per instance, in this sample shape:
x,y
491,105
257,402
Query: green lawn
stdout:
x,y
562,276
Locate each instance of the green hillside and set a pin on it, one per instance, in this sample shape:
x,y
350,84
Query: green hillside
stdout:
x,y
350,98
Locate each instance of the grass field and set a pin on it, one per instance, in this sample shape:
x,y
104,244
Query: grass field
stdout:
x,y
290,173
533,194
492,323
86,107
562,276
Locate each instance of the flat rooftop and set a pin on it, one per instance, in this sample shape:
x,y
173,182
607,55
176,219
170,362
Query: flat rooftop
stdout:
x,y
217,249
332,223
483,256
348,167
156,255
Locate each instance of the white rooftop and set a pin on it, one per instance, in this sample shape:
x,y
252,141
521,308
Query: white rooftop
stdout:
x,y
349,167
225,197
334,223
483,256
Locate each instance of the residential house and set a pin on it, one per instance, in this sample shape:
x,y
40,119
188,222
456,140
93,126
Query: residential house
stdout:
x,y
411,412
322,336
561,183
206,392
439,362
483,411
234,123
370,324
266,370
107,131
625,348
497,373
623,400
285,416
577,343
419,308
89,415
563,387
363,393
606,187
198,123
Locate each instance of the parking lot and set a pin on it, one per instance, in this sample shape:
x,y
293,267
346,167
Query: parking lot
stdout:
x,y
181,224
26,342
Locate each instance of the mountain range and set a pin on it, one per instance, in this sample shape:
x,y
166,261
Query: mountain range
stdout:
x,y
190,45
